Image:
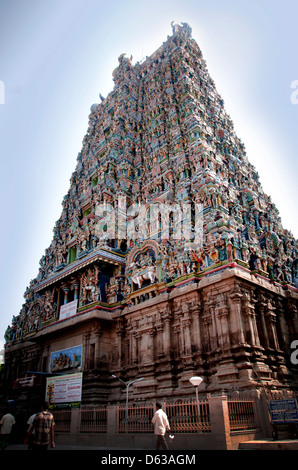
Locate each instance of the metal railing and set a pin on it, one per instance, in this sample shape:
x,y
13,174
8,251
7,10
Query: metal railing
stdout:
x,y
242,414
185,416
93,420
62,419
135,419
189,416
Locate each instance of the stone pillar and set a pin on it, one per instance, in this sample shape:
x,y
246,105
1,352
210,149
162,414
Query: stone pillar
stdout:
x,y
128,339
186,324
179,341
75,421
220,423
284,330
179,330
195,314
159,340
152,333
237,330
270,315
264,326
185,328
120,335
293,313
262,412
206,324
135,352
255,328
249,312
97,350
210,322
112,412
214,336
223,328
86,343
167,335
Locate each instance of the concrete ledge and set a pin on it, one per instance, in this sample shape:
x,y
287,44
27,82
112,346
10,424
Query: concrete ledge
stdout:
x,y
269,445
143,441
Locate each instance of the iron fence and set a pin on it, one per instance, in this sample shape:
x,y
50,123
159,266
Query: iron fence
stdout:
x,y
185,416
189,416
135,419
242,414
62,419
93,420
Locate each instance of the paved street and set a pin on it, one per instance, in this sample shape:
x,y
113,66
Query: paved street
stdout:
x,y
68,447
264,444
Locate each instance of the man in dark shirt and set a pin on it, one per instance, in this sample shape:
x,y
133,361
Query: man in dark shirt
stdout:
x,y
43,426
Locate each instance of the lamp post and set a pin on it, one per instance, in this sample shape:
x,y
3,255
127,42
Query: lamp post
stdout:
x,y
127,384
196,381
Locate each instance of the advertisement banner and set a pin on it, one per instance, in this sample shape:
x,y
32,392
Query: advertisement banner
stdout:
x,y
64,388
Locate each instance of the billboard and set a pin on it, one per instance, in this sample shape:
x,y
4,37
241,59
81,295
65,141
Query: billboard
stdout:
x,y
64,388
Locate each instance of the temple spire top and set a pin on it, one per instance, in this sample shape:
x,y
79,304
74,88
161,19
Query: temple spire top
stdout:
x,y
182,28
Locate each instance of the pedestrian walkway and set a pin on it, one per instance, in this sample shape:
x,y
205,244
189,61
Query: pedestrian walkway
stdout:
x,y
264,444
66,447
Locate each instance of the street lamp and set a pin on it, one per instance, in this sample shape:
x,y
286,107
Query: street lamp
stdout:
x,y
127,384
196,381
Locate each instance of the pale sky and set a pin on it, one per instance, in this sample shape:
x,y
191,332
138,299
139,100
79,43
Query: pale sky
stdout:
x,y
56,56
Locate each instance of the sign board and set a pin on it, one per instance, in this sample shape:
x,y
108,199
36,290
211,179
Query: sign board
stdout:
x,y
68,310
283,411
64,388
27,380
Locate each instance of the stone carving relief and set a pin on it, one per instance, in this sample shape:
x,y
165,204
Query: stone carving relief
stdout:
x,y
163,135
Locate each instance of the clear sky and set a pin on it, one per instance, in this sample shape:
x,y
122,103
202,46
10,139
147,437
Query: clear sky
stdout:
x,y
56,56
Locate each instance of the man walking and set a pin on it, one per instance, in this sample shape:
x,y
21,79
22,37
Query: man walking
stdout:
x,y
6,425
161,426
43,427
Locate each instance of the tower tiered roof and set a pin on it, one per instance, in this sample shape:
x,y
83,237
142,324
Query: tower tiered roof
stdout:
x,y
161,141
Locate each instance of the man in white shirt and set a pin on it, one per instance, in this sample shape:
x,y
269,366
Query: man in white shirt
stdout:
x,y
6,425
30,422
161,426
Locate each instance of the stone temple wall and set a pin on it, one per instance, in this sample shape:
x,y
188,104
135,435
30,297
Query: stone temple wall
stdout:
x,y
168,253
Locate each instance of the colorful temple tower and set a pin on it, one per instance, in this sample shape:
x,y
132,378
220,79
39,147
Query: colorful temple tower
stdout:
x,y
168,259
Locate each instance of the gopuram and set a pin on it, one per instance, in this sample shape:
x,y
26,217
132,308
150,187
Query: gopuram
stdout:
x,y
168,259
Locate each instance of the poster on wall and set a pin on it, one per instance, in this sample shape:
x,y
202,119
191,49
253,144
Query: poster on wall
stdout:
x,y
64,388
68,310
66,359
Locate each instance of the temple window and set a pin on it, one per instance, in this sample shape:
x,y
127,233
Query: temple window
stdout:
x,y
94,182
159,225
72,254
171,224
87,212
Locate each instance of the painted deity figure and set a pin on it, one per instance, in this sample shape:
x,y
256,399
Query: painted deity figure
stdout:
x,y
90,289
